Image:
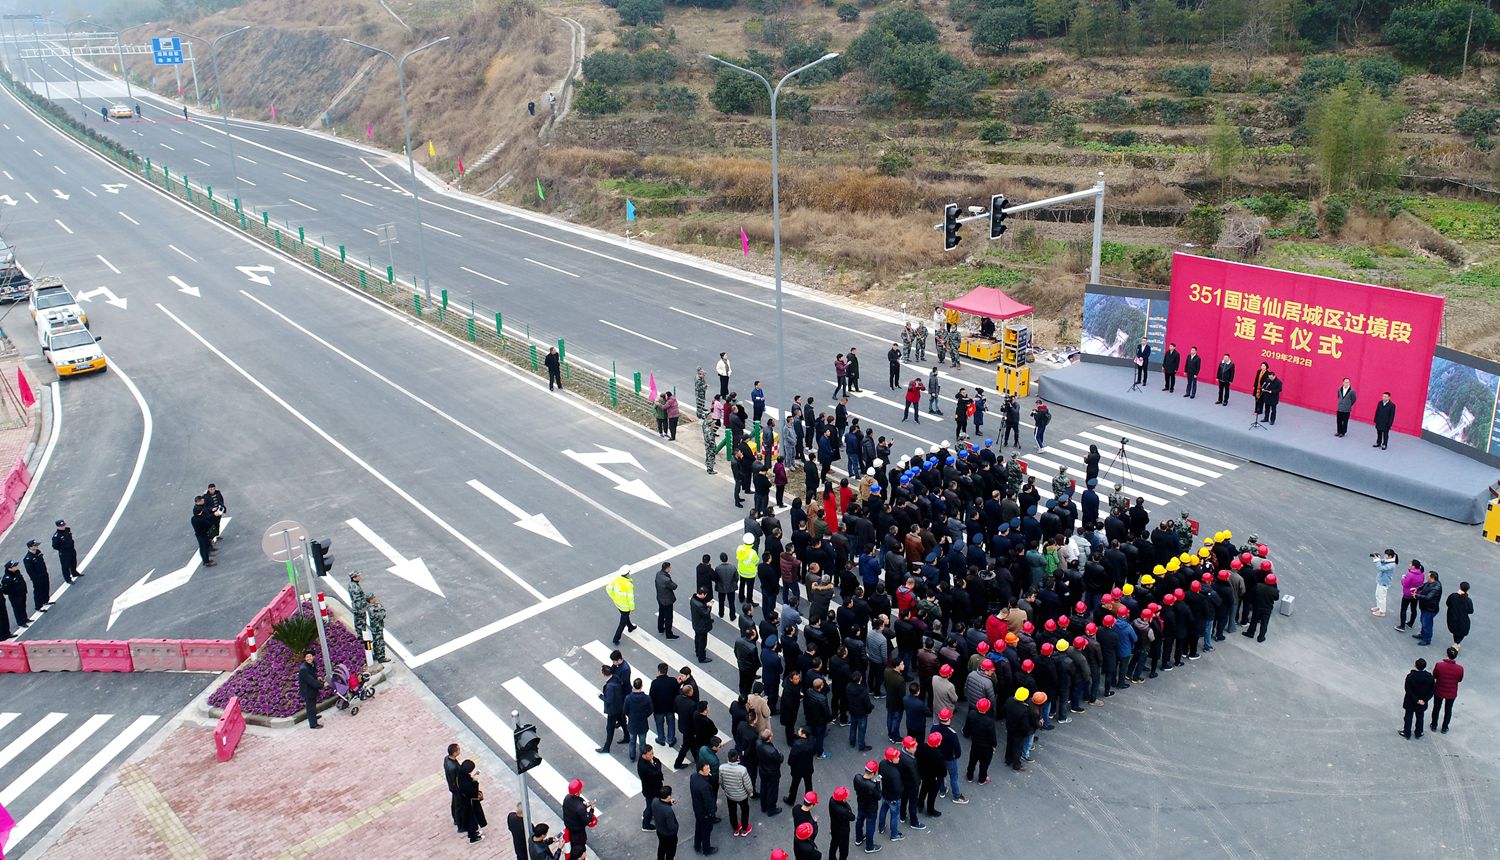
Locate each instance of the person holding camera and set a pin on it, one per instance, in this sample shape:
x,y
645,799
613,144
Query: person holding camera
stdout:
x,y
1385,567
1042,416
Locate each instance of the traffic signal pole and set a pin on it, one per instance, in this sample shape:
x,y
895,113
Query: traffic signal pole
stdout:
x,y
515,721
312,592
951,222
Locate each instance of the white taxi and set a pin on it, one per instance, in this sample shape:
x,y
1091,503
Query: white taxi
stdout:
x,y
51,301
73,349
120,111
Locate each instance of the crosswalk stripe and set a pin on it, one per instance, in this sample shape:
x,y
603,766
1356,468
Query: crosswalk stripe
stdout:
x,y
1181,452
703,680
1039,467
80,777
600,651
29,737
6,718
865,419
1119,475
502,734
536,704
717,648
1137,466
574,681
1114,445
18,786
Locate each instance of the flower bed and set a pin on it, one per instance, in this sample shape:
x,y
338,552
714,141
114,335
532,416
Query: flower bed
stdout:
x,y
268,686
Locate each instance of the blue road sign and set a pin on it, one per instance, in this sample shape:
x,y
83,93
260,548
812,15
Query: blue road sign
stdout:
x,y
168,52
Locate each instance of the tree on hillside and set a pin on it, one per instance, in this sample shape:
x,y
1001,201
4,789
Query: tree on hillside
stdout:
x,y
1440,35
996,29
1354,136
1226,151
633,12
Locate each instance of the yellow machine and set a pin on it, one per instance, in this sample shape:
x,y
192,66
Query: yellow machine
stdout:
x,y
1015,381
1492,522
1014,375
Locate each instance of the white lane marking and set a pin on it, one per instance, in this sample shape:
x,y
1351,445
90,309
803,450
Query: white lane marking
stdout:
x,y
1134,465
474,273
130,219
441,230
1115,443
5,719
182,252
202,162
357,200
29,737
55,755
33,200
537,705
502,735
381,175
204,142
214,127
1181,452
80,777
303,205
90,192
523,615
247,182
37,151
710,322
107,263
368,230
41,467
298,178
177,131
524,461
355,458
638,334
168,146
553,268
61,224
8,176
243,158
60,170
147,425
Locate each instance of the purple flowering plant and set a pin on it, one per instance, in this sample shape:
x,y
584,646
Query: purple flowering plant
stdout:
x,y
268,686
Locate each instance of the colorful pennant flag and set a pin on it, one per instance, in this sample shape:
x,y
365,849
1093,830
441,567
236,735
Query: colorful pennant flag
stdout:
x,y
539,190
460,167
27,398
650,387
273,111
629,211
744,242
430,151
369,130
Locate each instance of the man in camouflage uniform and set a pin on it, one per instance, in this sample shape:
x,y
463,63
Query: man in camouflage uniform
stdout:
x,y
359,602
907,336
1185,533
1118,500
953,342
940,343
710,443
377,630
1060,483
1013,475
700,394
920,340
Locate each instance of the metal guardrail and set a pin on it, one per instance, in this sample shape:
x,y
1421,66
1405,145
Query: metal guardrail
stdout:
x,y
482,327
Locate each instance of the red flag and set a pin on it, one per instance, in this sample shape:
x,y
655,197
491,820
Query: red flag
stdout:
x,y
27,398
460,167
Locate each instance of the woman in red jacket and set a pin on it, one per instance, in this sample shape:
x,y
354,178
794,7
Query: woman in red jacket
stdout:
x,y
1446,676
914,391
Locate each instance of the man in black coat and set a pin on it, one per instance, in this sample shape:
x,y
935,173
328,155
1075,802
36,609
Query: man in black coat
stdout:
x,y
67,553
1264,600
309,685
1224,376
852,371
1270,396
664,815
702,612
1142,361
702,788
450,772
13,587
1420,688
648,768
203,522
214,501
1385,416
1191,368
36,570
666,595
554,369
1171,360
893,355
768,761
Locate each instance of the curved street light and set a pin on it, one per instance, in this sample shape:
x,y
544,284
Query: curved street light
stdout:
x,y
411,164
774,93
213,55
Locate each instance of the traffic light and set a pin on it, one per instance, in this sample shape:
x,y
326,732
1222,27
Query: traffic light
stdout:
x,y
997,215
322,556
950,227
528,748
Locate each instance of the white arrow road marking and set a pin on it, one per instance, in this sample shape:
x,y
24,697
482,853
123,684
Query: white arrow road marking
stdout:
x,y
109,295
58,192
8,200
535,523
597,460
412,570
184,288
147,588
254,273
113,187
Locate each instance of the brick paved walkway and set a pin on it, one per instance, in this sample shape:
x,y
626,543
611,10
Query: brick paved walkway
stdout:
x,y
364,786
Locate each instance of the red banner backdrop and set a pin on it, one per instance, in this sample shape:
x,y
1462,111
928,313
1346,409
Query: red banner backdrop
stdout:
x,y
1312,331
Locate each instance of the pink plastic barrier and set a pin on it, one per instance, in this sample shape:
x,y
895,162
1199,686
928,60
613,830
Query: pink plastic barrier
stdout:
x,y
283,607
17,481
52,655
212,655
229,730
156,655
100,655
13,657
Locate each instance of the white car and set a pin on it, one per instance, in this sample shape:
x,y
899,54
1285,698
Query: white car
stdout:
x,y
50,302
73,349
121,112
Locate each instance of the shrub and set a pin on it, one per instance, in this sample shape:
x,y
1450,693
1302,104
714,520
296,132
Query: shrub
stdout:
x,y
955,93
775,31
880,101
1124,138
1476,121
899,26
847,12
794,106
994,131
633,12
1189,80
609,67
737,92
893,163
1113,108
1203,225
1380,73
1435,35
1152,265
996,29
1322,73
1170,111
1335,215
1273,206
654,65
1064,128
296,632
1031,107
595,98
675,100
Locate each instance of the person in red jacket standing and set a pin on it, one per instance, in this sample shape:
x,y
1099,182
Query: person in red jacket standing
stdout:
x,y
1446,676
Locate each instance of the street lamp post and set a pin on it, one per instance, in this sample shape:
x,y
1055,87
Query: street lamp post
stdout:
x,y
774,92
36,39
120,54
73,58
213,54
411,164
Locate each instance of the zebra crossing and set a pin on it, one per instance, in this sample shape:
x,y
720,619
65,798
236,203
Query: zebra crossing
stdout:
x,y
1161,472
48,761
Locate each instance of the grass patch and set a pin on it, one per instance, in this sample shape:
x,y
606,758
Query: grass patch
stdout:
x,y
1159,148
647,190
1457,219
993,276
1480,279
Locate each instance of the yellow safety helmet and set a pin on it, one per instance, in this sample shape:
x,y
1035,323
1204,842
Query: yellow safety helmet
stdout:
x,y
1173,565
1022,694
1062,645
1158,570
1129,589
1148,579
1203,553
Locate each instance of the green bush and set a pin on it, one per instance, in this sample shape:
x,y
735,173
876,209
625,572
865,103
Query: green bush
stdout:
x,y
655,65
880,101
1380,73
1476,121
1170,111
1064,129
1335,215
1322,73
955,94
796,107
898,26
296,632
595,98
997,28
847,12
1152,265
893,163
737,92
1203,225
1190,80
1273,206
1124,138
1031,107
675,100
609,67
1435,35
633,12
995,131
1113,108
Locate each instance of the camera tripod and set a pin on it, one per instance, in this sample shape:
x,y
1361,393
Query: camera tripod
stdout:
x,y
1123,459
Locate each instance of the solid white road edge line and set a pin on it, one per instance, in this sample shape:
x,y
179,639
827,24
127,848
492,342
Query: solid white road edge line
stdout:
x,y
147,424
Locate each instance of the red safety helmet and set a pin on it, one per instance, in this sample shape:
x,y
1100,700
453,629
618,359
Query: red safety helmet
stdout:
x,y
934,740
1265,565
983,705
1046,648
1080,606
945,670
1050,625
1223,574
1028,627
811,798
1262,550
945,715
982,647
805,830
1080,642
1109,620
1091,628
987,666
1196,585
891,754
575,786
841,793
1236,564
1271,578
1169,599
1178,593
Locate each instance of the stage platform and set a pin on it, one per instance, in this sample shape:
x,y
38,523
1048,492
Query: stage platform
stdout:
x,y
1411,472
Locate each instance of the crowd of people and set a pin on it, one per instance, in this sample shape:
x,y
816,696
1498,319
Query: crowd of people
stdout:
x,y
944,587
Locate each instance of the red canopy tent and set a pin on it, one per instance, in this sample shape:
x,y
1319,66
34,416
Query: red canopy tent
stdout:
x,y
988,302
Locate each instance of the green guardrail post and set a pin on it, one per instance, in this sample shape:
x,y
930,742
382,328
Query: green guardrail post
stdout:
x,y
390,275
416,299
148,168
341,254
637,383
166,178
243,224
614,395
265,218
301,236
534,365
445,299
472,338
317,260
562,351
499,326
237,207
363,284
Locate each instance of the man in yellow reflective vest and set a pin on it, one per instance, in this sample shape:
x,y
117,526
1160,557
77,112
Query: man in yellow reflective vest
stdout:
x,y
747,564
621,591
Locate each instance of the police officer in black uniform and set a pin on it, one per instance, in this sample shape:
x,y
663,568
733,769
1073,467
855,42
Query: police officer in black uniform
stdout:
x,y
203,523
14,589
36,570
67,553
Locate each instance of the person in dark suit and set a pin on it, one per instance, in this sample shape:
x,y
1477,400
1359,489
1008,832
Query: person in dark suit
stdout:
x,y
1171,360
1224,376
1346,397
1142,361
1420,688
1270,395
309,685
450,772
1260,380
1385,416
1191,368
702,790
